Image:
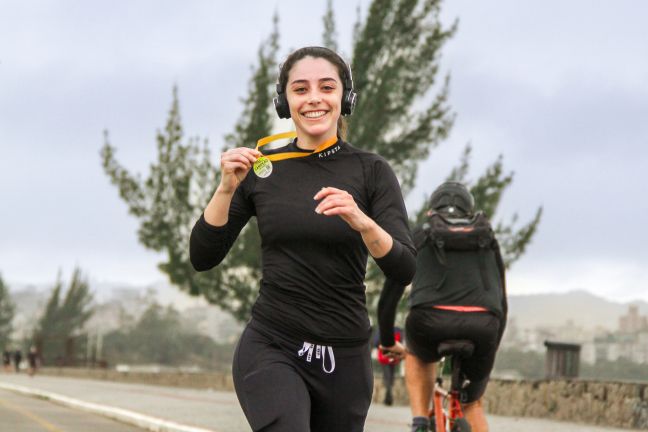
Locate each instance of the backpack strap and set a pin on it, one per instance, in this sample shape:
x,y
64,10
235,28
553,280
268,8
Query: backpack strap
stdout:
x,y
437,242
482,266
440,254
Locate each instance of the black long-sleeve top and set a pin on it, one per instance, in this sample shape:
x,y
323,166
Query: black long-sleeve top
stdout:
x,y
314,265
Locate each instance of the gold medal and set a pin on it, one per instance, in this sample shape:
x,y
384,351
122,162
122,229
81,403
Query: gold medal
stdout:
x,y
262,167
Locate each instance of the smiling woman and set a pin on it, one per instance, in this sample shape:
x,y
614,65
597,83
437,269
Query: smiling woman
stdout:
x,y
302,363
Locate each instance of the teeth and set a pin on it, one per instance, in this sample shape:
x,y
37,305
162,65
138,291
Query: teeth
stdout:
x,y
314,114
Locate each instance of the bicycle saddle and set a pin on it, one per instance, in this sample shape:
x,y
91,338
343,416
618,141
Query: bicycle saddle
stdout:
x,y
460,348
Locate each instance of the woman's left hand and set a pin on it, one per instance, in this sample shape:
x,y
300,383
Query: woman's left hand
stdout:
x,y
339,202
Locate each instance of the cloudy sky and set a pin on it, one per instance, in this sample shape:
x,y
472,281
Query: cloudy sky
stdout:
x,y
560,89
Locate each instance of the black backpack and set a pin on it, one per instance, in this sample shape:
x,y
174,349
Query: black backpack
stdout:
x,y
462,234
457,234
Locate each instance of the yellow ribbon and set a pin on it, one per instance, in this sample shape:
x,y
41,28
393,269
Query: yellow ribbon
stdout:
x,y
290,155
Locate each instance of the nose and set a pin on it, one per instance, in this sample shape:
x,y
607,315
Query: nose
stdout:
x,y
314,98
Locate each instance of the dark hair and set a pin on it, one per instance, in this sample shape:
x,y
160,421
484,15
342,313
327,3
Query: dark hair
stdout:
x,y
317,52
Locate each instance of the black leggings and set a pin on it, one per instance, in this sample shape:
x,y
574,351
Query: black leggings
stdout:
x,y
285,385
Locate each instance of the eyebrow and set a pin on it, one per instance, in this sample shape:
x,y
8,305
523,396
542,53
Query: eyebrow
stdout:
x,y
300,81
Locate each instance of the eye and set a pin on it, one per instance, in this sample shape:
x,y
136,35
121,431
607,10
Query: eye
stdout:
x,y
328,87
299,90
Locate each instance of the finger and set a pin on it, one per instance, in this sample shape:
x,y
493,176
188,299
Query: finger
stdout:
x,y
338,211
235,154
326,191
251,154
243,150
236,166
337,195
238,158
332,202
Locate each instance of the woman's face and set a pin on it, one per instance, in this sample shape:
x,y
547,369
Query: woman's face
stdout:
x,y
314,92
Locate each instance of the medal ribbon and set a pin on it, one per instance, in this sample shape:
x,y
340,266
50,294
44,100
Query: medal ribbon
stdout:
x,y
290,155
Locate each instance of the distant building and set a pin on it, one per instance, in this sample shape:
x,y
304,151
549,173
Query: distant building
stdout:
x,y
629,341
632,322
615,346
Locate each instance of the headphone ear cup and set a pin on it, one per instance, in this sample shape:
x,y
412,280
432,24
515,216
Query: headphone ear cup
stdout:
x,y
349,100
281,105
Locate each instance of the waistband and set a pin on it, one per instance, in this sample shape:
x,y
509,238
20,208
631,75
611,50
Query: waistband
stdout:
x,y
278,328
461,308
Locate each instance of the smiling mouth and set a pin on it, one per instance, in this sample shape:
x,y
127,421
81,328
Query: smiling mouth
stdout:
x,y
314,114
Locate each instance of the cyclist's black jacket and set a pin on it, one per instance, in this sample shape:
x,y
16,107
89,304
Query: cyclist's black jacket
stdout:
x,y
458,282
314,265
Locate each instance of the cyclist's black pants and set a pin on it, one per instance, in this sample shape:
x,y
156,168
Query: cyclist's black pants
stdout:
x,y
283,385
427,327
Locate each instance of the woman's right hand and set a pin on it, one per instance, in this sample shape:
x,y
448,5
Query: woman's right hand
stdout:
x,y
395,352
235,164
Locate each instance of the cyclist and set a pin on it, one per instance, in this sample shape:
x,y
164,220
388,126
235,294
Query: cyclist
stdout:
x,y
458,292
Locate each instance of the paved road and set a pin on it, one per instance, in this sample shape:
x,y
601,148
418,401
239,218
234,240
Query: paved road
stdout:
x,y
218,411
20,413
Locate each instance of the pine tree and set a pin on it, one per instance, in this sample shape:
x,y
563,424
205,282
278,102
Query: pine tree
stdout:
x,y
402,111
180,184
7,311
62,321
329,36
171,198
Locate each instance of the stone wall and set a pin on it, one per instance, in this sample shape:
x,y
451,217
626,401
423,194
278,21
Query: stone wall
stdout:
x,y
214,380
615,404
599,403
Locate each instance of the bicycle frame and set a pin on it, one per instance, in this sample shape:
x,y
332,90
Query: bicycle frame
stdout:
x,y
446,405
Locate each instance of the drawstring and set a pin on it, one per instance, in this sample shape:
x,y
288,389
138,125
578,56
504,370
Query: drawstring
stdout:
x,y
320,351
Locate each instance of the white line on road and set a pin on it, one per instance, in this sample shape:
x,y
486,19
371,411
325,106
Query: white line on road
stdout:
x,y
144,421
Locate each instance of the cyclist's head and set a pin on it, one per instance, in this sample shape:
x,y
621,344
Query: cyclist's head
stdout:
x,y
452,199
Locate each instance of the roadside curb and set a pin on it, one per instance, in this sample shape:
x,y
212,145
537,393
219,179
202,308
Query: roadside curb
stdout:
x,y
140,420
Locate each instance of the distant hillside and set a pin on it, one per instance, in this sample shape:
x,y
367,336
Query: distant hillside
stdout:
x,y
582,307
530,311
111,301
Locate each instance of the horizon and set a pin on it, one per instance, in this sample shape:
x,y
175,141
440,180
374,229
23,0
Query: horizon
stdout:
x,y
16,286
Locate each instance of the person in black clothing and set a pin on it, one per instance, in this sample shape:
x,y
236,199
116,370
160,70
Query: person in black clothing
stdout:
x,y
322,206
17,358
389,364
6,360
458,292
32,360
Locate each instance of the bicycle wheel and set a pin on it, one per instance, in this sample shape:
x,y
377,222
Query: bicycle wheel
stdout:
x,y
461,425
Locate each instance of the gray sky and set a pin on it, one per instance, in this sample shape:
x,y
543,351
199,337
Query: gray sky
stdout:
x,y
560,89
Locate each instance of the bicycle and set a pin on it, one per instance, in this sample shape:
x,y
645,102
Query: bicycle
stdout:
x,y
446,414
